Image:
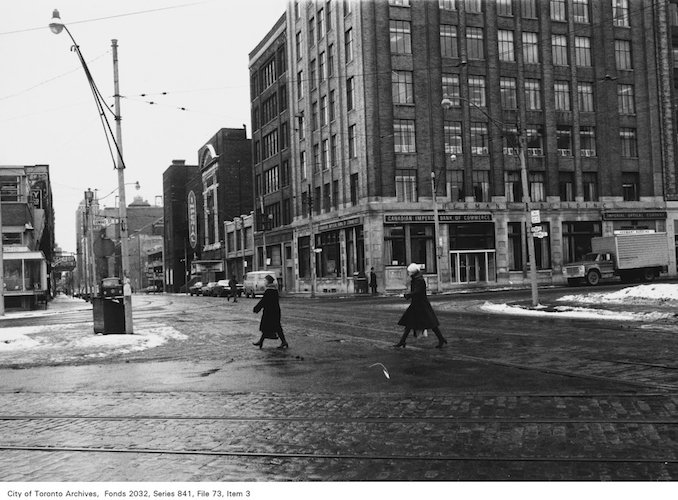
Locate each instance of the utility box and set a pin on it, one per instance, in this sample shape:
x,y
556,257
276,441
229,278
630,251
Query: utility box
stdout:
x,y
359,283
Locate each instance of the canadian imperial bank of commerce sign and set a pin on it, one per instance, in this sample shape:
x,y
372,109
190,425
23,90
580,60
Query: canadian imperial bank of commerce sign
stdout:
x,y
396,219
192,220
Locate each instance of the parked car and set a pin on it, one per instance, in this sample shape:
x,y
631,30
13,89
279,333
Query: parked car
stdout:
x,y
255,281
195,288
206,290
111,287
152,289
223,289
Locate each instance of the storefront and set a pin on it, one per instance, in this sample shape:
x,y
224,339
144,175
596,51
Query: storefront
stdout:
x,y
472,248
25,278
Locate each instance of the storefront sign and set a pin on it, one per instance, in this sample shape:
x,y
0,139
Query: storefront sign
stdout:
x,y
355,221
391,219
192,220
641,215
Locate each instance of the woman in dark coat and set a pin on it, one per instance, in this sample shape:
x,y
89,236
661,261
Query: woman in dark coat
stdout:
x,y
270,320
419,315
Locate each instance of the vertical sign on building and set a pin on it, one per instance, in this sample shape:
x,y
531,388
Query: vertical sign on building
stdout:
x,y
192,220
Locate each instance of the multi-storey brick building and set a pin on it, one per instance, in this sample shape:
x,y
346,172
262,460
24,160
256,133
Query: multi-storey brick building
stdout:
x,y
362,130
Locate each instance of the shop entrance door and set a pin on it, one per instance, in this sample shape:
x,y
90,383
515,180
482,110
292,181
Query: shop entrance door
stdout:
x,y
473,266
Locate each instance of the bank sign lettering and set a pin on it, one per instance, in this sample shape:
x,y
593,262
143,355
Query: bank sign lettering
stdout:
x,y
192,220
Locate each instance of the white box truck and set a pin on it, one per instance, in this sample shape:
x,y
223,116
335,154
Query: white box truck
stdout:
x,y
632,257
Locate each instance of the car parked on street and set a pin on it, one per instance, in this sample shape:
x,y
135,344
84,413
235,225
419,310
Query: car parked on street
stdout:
x,y
206,290
111,287
255,281
195,288
152,289
223,289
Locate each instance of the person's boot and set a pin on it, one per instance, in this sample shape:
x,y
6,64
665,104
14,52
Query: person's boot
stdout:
x,y
260,344
403,339
283,341
441,339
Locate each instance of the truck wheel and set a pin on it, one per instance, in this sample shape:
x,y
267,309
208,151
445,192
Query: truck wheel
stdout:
x,y
648,274
593,277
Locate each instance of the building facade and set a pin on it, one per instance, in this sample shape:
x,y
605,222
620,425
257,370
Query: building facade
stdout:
x,y
388,100
27,234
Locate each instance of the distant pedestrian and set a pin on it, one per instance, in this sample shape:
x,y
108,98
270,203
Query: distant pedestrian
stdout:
x,y
233,285
419,314
270,326
373,281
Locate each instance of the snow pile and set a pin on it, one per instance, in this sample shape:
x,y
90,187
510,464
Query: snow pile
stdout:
x,y
575,313
660,292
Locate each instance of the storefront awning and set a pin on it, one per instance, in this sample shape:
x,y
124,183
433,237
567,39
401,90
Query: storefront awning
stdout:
x,y
23,255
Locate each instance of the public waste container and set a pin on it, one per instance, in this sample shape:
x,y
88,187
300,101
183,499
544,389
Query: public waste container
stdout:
x,y
109,315
359,283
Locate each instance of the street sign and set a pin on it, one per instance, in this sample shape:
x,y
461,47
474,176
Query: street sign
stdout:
x,y
537,229
535,216
540,234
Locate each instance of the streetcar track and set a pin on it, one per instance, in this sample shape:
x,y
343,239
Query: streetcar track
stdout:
x,y
359,420
342,456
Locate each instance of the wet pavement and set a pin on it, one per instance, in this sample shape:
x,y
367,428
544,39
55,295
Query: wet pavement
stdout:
x,y
507,399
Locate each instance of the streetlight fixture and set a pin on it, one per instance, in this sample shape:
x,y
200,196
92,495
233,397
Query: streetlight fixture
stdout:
x,y
57,26
446,103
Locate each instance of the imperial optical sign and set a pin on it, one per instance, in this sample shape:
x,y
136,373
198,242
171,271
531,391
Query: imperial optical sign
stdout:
x,y
192,220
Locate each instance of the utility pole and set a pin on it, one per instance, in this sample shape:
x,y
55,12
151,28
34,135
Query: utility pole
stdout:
x,y
124,243
436,221
522,144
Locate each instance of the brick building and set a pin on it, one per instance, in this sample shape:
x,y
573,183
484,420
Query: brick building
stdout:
x,y
361,131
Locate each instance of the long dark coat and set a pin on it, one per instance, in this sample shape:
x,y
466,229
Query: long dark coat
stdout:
x,y
270,319
419,315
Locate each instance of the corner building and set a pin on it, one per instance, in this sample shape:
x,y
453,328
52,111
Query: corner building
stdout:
x,y
356,106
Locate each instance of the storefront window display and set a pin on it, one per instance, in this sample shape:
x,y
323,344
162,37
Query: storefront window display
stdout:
x,y
394,237
304,257
518,246
410,243
328,260
577,238
13,276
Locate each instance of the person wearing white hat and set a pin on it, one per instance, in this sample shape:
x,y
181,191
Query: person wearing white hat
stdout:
x,y
419,314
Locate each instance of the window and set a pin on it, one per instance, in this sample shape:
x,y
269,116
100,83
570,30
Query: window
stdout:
x,y
354,189
314,116
325,154
332,104
506,52
542,249
311,32
298,43
566,186
622,53
476,89
399,3
422,246
402,88
580,11
453,138
321,24
512,186
507,90
479,138
562,93
564,140
451,89
270,144
286,212
403,131
333,150
558,10
582,51
528,8
406,185
474,43
481,185
322,68
302,164
394,240
328,17
335,194
559,50
330,60
590,180
401,37
447,4
532,94
316,158
627,138
313,75
327,197
304,256
620,12
352,150
535,141
536,182
348,45
350,94
301,124
474,6
271,180
587,140
285,174
510,140
9,188
530,48
324,118
585,96
625,99
577,239
630,188
455,185
504,7
300,84
448,41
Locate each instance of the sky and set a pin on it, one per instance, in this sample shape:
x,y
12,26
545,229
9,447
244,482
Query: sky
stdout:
x,y
191,54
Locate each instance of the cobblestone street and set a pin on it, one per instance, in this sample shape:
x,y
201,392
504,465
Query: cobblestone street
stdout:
x,y
508,399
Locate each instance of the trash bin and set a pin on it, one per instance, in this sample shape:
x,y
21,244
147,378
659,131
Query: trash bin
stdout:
x,y
359,283
109,315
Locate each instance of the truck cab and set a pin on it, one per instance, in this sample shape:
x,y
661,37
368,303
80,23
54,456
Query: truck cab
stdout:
x,y
591,268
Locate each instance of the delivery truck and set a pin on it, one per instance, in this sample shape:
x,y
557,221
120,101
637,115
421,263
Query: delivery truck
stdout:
x,y
631,257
